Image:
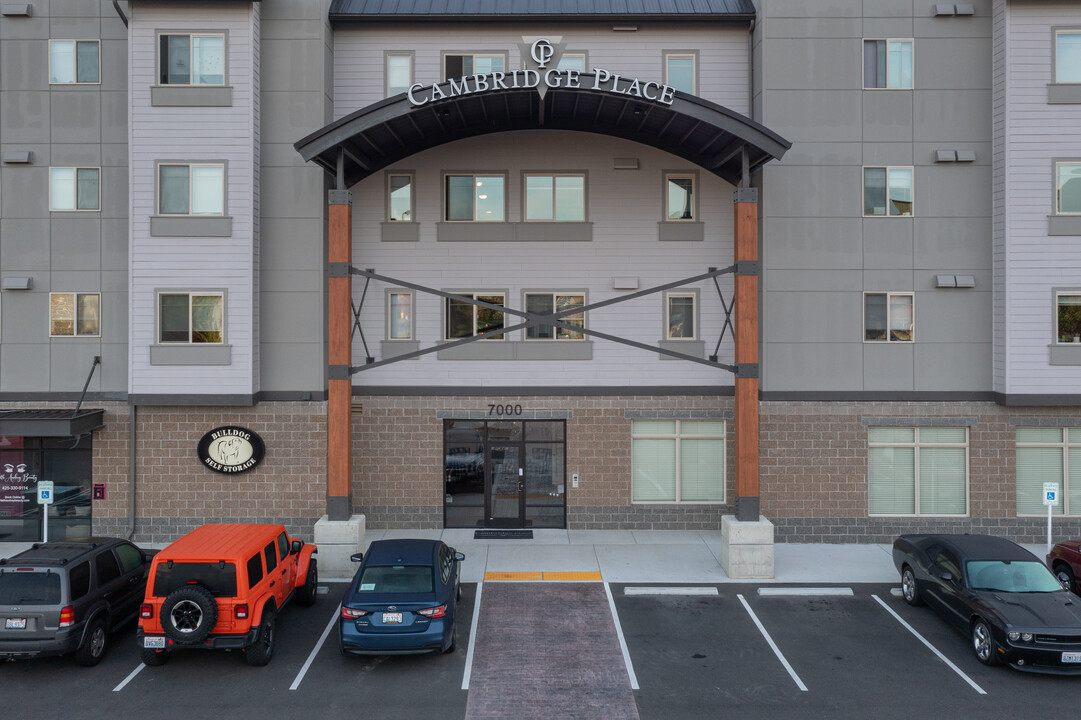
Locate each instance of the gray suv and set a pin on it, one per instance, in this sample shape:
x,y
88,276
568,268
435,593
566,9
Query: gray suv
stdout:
x,y
67,596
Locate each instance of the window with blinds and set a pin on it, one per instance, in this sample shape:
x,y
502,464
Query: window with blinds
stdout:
x,y
917,471
678,461
1048,455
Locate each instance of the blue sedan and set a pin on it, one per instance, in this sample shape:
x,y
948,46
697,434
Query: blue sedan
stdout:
x,y
402,599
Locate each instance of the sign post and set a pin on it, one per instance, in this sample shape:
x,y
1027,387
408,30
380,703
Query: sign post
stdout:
x,y
1050,499
45,499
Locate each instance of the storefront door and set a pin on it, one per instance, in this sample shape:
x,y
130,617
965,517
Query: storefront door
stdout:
x,y
24,461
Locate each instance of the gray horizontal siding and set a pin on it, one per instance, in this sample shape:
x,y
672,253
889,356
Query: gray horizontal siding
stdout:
x,y
413,9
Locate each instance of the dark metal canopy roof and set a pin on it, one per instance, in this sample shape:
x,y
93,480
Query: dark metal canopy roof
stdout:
x,y
50,423
741,11
388,131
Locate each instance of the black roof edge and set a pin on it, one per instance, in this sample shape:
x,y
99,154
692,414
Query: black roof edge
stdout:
x,y
522,18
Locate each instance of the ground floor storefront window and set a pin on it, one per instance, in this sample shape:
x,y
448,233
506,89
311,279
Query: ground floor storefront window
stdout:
x,y
678,461
1048,455
917,471
24,462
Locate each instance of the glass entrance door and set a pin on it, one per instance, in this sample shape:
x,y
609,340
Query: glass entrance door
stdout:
x,y
506,488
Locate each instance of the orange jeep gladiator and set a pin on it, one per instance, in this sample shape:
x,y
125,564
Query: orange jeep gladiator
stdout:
x,y
221,586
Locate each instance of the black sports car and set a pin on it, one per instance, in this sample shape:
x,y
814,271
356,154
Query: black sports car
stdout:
x,y
998,594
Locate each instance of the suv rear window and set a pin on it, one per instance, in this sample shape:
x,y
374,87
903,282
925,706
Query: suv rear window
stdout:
x,y
219,578
396,579
29,588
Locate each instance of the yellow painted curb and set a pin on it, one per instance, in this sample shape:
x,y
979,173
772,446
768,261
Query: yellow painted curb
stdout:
x,y
512,576
590,576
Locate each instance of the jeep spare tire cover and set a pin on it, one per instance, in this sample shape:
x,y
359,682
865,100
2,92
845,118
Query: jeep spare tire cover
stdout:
x,y
189,613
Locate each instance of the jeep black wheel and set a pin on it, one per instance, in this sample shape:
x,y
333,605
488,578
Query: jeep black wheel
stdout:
x,y
189,613
306,592
155,658
260,651
92,650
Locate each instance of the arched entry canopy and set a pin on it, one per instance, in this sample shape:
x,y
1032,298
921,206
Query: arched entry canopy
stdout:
x,y
709,135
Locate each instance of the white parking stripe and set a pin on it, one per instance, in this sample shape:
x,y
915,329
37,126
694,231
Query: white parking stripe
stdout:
x,y
315,650
622,641
689,591
933,649
472,638
129,678
776,650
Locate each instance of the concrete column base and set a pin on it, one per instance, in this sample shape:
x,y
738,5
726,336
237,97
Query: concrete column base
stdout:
x,y
337,540
747,548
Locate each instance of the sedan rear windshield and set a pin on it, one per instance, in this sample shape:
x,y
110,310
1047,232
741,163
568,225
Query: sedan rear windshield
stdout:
x,y
396,579
29,588
219,578
1018,576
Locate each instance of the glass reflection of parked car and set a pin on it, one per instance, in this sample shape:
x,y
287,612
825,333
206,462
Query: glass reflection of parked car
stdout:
x,y
402,599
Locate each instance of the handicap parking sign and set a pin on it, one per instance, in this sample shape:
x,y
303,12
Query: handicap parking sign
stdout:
x,y
45,492
1050,494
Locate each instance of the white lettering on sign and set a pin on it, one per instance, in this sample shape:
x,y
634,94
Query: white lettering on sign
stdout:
x,y
542,52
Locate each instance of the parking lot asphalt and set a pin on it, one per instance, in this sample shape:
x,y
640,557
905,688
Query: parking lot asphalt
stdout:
x,y
727,650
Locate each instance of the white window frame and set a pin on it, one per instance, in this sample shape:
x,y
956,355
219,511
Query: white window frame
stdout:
x,y
679,436
386,70
912,70
685,175
917,444
474,175
96,208
889,316
1066,444
190,293
474,55
1058,188
1054,57
190,166
391,292
474,294
190,35
75,61
555,196
682,55
889,171
75,320
668,297
412,194
555,295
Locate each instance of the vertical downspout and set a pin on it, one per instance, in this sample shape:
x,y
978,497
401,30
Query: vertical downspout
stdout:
x,y
750,69
132,418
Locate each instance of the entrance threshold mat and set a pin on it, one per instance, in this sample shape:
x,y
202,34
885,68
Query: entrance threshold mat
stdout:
x,y
503,535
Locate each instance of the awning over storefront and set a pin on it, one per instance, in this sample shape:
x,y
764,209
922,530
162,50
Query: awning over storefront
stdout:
x,y
388,131
559,10
50,423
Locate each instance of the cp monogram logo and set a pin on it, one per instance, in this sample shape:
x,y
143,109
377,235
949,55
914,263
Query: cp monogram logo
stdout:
x,y
542,51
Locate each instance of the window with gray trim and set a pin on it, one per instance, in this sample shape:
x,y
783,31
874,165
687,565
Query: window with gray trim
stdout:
x,y
191,59
474,197
680,71
1068,55
680,315
917,471
1048,455
677,461
887,191
888,317
553,302
399,314
572,61
1068,187
72,189
191,189
679,197
73,62
887,64
1068,317
556,197
399,72
463,319
400,197
74,314
457,65
191,317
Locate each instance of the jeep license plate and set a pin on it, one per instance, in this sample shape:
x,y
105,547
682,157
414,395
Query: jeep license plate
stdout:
x,y
158,643
15,624
392,618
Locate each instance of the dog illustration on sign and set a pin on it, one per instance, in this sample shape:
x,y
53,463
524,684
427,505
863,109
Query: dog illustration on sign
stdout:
x,y
230,450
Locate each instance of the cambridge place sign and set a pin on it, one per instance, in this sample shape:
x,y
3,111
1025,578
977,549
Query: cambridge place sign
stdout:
x,y
231,450
542,53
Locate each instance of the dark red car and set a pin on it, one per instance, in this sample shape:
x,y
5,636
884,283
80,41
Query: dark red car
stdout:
x,y
1065,561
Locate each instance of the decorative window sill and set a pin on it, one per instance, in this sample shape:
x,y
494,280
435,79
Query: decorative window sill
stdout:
x,y
191,96
520,350
180,354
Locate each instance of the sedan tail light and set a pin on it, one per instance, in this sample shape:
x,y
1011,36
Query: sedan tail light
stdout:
x,y
351,614
241,611
146,611
435,612
67,616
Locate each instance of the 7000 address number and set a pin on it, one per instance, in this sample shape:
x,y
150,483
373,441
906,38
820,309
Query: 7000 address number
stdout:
x,y
503,410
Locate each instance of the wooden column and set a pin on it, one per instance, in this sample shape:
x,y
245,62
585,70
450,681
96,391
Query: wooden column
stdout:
x,y
746,312
340,357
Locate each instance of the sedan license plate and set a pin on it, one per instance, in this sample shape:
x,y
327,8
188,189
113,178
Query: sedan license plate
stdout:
x,y
15,624
1071,657
157,643
392,618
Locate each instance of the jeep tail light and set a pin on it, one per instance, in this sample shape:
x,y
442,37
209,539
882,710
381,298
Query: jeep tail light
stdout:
x,y
146,611
351,614
241,611
67,616
436,612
